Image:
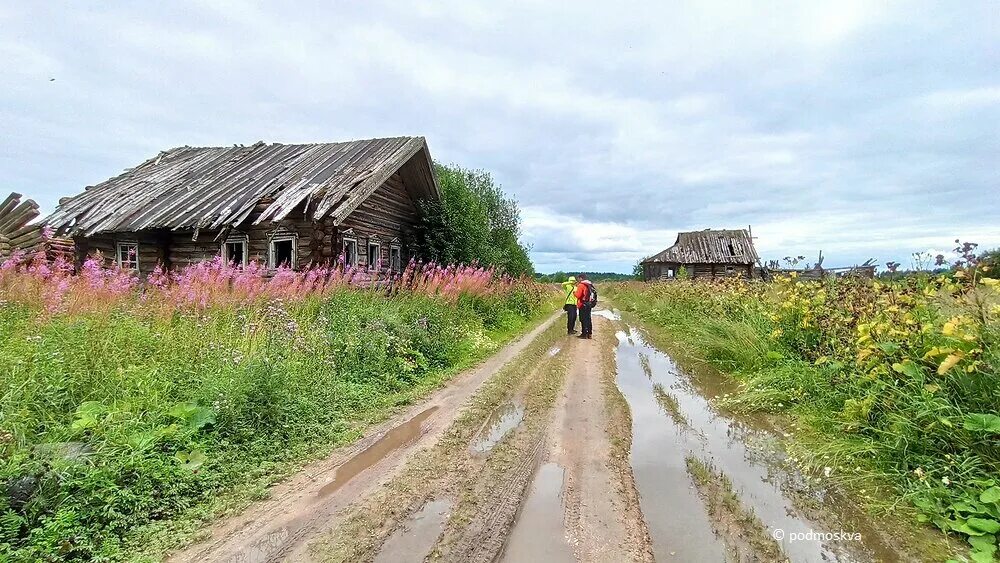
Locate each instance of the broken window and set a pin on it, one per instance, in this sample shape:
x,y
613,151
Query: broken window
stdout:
x,y
128,255
374,255
395,258
282,251
235,251
350,252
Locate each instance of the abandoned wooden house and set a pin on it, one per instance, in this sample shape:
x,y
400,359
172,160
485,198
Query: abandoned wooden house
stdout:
x,y
711,253
281,205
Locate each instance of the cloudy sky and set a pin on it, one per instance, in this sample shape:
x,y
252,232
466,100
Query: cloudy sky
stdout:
x,y
865,129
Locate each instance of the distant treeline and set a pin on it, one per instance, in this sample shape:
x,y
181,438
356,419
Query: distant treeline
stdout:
x,y
559,277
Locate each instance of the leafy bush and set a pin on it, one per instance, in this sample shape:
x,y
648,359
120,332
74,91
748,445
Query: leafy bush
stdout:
x,y
128,408
900,377
472,223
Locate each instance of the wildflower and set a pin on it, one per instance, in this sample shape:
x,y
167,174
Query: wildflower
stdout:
x,y
827,471
946,481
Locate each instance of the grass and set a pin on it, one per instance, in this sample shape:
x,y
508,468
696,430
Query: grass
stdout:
x,y
888,385
123,429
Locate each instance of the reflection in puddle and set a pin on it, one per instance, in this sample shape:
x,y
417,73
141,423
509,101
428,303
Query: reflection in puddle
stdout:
x,y
612,315
415,538
660,444
400,436
501,422
554,350
539,533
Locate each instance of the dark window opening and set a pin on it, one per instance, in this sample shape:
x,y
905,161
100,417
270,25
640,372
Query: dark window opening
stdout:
x,y
374,255
350,252
284,253
235,252
732,251
395,259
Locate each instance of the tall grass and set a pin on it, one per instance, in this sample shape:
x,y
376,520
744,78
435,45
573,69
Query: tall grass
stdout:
x,y
132,410
899,378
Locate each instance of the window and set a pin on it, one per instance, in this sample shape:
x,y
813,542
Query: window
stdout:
x,y
374,254
395,258
670,272
350,252
235,250
281,252
730,270
128,255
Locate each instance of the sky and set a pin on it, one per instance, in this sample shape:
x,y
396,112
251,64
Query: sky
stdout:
x,y
863,129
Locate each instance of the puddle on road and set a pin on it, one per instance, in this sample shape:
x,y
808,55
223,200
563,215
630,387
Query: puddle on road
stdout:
x,y
612,315
400,436
416,537
674,511
504,420
539,533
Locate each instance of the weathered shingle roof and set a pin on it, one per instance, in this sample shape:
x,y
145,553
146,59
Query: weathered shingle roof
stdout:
x,y
719,246
218,187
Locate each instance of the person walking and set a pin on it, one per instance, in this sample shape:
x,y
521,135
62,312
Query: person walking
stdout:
x,y
569,286
586,296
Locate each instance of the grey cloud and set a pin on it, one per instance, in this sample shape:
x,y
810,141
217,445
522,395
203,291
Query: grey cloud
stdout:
x,y
860,128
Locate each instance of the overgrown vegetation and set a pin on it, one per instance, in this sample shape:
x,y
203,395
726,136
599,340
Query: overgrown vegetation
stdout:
x,y
472,223
131,412
899,379
559,277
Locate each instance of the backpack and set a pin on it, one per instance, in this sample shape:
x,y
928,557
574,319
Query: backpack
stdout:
x,y
591,299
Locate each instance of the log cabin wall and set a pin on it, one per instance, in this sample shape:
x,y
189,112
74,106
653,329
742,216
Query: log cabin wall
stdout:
x,y
153,248
389,213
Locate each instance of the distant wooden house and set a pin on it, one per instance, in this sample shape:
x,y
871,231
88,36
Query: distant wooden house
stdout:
x,y
705,254
281,205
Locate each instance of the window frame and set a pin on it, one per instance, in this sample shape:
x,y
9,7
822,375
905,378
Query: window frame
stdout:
x,y
395,257
283,236
119,245
343,246
375,243
238,239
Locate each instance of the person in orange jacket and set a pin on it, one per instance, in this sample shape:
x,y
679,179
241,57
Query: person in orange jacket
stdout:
x,y
583,293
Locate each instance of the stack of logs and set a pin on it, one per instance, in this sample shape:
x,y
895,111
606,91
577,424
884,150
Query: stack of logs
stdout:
x,y
17,232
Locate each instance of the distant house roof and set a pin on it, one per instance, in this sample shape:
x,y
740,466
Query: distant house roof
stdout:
x,y
219,187
711,246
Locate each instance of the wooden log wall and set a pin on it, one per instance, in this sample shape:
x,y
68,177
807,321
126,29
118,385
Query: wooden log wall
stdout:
x,y
17,232
387,214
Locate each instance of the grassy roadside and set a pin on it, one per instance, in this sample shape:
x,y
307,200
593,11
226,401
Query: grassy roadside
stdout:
x,y
123,430
449,470
741,530
905,452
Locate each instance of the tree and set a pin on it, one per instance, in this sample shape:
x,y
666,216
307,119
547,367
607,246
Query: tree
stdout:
x,y
637,271
474,221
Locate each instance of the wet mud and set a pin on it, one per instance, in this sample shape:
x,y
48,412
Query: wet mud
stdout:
x,y
539,533
414,539
396,438
661,395
500,424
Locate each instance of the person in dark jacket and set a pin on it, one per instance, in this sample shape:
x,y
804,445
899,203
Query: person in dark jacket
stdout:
x,y
569,286
582,292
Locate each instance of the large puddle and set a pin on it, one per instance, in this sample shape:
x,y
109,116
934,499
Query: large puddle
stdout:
x,y
500,423
539,534
413,541
400,436
672,419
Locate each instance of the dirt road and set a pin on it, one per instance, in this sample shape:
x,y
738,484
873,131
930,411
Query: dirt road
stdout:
x,y
558,449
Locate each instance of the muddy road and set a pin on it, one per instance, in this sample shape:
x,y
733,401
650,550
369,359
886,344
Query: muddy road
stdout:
x,y
559,449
